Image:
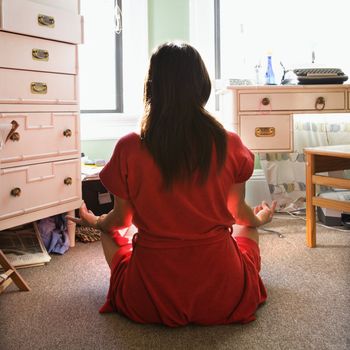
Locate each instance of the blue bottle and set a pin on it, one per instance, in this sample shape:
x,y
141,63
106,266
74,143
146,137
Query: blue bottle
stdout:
x,y
269,75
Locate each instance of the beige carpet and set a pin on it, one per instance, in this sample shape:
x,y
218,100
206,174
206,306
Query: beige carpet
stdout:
x,y
308,303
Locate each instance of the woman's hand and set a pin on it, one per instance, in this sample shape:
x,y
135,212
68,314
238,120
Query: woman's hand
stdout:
x,y
264,212
87,217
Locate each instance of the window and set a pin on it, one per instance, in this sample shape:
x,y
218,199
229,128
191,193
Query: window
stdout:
x,y
235,37
112,90
100,59
291,31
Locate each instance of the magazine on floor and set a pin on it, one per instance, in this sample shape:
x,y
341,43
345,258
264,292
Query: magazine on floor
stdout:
x,y
23,246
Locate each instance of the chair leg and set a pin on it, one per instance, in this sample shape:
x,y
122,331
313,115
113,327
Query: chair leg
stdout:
x,y
12,274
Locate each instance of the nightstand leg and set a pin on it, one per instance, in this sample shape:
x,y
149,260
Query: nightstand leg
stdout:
x,y
71,229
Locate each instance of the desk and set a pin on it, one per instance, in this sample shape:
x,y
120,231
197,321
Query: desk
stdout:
x,y
323,159
263,115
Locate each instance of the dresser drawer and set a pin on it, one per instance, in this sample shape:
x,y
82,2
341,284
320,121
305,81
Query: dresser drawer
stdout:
x,y
30,18
267,132
35,187
23,52
37,87
40,137
68,5
281,101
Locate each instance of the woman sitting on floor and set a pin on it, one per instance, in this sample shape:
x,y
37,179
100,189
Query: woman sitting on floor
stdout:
x,y
181,183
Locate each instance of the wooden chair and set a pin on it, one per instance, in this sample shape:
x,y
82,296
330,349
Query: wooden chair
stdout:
x,y
10,275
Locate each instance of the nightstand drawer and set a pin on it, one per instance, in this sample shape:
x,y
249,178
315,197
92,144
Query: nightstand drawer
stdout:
x,y
267,132
40,137
23,52
292,101
37,87
31,188
30,18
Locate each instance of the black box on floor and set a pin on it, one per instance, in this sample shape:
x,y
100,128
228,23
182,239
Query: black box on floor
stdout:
x,y
327,219
332,217
96,197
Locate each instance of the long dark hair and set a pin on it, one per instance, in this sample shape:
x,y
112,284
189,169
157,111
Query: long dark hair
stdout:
x,y
177,130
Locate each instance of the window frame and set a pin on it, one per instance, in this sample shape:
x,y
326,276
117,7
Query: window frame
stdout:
x,y
217,48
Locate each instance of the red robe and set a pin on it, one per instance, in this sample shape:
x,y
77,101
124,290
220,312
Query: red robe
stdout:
x,y
183,266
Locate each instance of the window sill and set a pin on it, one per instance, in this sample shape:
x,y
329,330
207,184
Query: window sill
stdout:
x,y
107,127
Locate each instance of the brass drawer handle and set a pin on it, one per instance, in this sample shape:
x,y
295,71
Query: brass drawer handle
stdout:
x,y
67,133
320,103
47,21
68,181
265,131
15,136
16,192
265,101
38,88
40,55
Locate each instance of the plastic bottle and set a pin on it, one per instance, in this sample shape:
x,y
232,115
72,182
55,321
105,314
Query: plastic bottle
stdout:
x,y
269,75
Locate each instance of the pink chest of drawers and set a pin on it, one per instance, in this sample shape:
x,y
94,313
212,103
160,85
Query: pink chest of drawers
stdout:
x,y
40,163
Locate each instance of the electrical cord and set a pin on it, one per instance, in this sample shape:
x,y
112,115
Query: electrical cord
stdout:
x,y
295,216
317,223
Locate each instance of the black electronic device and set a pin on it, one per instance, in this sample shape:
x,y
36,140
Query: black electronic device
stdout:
x,y
96,197
332,217
320,75
345,220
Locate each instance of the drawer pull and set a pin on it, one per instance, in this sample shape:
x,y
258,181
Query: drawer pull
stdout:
x,y
16,192
265,101
40,55
264,131
67,133
14,127
47,21
15,136
38,88
320,103
68,181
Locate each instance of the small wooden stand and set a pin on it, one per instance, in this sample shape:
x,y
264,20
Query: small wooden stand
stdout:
x,y
10,275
